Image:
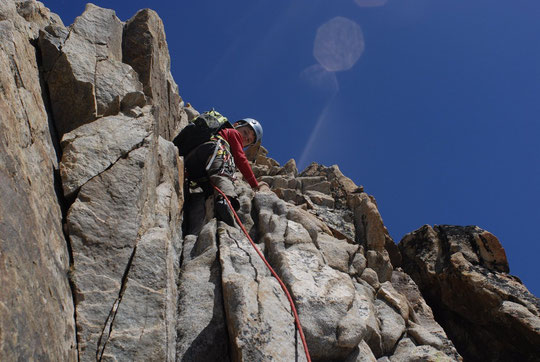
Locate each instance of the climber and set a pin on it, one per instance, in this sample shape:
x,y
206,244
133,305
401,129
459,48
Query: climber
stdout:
x,y
214,163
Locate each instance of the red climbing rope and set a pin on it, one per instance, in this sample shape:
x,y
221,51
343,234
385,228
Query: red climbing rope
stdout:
x,y
296,318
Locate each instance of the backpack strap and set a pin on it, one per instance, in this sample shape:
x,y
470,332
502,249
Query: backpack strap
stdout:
x,y
216,149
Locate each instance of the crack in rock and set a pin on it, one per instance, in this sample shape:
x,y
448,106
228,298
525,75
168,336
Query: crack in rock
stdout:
x,y
109,323
121,157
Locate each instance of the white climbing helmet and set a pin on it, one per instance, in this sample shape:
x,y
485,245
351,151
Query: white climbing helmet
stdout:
x,y
255,126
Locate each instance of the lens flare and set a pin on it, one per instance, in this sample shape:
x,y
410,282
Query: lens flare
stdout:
x,y
370,3
339,43
320,79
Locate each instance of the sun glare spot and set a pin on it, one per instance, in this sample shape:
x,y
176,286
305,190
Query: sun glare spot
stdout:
x,y
370,3
320,79
339,43
302,163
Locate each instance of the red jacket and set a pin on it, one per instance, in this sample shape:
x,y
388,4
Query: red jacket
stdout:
x,y
234,139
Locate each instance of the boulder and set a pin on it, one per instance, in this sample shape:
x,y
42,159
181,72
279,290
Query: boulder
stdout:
x,y
289,168
421,315
462,272
392,326
407,351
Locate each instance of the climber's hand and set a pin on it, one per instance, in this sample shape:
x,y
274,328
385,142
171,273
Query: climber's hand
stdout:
x,y
263,187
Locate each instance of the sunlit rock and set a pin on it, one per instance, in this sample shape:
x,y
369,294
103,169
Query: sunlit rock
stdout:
x,y
101,259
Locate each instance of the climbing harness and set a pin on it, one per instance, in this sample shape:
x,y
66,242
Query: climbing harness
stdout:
x,y
222,152
293,308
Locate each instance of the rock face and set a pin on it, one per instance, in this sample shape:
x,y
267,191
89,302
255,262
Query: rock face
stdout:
x,y
124,224
91,194
104,258
99,67
36,306
463,273
353,304
145,49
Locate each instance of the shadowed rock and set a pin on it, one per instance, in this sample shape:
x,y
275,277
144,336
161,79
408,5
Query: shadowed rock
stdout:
x,y
36,305
201,326
462,271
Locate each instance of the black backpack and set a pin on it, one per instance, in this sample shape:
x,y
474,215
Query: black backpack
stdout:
x,y
200,130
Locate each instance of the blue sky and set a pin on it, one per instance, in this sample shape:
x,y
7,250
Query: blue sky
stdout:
x,y
432,106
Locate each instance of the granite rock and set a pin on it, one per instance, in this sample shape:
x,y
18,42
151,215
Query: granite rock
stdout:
x,y
83,69
144,48
463,273
116,260
36,305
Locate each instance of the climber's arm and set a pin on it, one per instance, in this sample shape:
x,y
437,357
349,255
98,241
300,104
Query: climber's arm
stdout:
x,y
234,139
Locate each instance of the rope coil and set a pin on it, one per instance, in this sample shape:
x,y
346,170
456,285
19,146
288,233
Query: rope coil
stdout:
x,y
291,301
